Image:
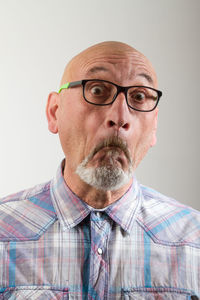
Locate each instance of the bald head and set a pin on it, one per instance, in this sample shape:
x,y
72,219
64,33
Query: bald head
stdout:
x,y
104,51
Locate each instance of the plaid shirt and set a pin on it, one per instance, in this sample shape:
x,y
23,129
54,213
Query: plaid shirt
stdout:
x,y
54,246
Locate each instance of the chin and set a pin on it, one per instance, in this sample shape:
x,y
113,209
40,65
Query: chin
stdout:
x,y
106,177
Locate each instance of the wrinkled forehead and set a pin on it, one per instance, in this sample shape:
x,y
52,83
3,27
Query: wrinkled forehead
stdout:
x,y
119,64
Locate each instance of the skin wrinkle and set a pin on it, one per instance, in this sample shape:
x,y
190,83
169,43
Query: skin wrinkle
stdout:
x,y
123,54
112,142
148,77
95,70
129,73
82,126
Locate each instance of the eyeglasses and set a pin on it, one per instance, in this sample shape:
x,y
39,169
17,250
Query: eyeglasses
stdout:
x,y
102,92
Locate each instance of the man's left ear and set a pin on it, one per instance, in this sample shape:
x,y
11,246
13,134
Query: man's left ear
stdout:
x,y
154,138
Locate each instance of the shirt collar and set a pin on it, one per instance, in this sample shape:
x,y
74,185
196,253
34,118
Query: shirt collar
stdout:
x,y
71,210
124,210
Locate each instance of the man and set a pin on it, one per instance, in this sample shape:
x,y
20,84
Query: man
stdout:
x,y
94,232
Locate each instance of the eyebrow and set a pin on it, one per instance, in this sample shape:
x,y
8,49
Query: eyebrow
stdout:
x,y
147,77
97,69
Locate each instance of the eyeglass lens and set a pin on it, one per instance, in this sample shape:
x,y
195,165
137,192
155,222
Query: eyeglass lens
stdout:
x,y
103,93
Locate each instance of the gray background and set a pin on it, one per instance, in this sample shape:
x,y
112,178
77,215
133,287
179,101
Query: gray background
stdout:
x,y
38,37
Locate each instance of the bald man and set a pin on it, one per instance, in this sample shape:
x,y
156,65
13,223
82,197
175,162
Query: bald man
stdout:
x,y
93,232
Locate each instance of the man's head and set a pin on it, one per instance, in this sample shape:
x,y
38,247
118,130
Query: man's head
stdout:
x,y
103,144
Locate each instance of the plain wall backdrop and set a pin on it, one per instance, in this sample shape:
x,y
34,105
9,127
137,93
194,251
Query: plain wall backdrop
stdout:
x,y
38,38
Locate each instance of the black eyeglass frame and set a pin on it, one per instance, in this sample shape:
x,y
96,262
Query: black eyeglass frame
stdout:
x,y
123,89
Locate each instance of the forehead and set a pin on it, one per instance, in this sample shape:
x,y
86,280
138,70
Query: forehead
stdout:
x,y
123,67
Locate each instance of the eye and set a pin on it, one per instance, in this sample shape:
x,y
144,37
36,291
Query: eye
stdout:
x,y
139,96
97,90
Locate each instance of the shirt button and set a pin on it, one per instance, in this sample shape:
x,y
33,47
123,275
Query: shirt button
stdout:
x,y
98,214
100,251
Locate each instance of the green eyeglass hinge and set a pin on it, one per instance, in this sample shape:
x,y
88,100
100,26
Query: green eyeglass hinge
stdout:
x,y
64,86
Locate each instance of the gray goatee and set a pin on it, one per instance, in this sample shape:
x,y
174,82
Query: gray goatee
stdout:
x,y
107,177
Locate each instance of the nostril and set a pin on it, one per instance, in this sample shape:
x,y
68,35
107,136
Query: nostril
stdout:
x,y
111,123
125,126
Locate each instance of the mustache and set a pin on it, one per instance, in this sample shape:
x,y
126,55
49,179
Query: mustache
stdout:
x,y
113,141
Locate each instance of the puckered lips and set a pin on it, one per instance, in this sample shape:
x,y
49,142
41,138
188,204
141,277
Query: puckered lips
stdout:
x,y
111,152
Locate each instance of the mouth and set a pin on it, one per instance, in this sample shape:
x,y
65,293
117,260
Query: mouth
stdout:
x,y
111,151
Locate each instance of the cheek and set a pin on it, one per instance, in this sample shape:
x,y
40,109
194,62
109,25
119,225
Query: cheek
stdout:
x,y
149,122
143,132
93,128
69,127
77,128
143,125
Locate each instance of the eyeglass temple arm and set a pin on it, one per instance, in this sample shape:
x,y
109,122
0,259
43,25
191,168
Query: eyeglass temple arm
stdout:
x,y
69,84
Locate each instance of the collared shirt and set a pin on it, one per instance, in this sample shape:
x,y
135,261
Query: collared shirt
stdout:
x,y
54,246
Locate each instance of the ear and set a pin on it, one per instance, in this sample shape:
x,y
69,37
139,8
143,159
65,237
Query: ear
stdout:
x,y
154,138
51,112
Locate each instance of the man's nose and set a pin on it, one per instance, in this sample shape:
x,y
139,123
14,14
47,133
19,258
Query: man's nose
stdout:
x,y
118,116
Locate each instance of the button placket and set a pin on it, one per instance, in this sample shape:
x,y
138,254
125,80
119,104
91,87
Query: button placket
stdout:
x,y
99,231
99,268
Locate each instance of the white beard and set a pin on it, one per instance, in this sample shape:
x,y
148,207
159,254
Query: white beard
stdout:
x,y
107,177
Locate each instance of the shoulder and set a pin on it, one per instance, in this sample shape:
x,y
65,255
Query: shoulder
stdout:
x,y
167,220
26,214
27,194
